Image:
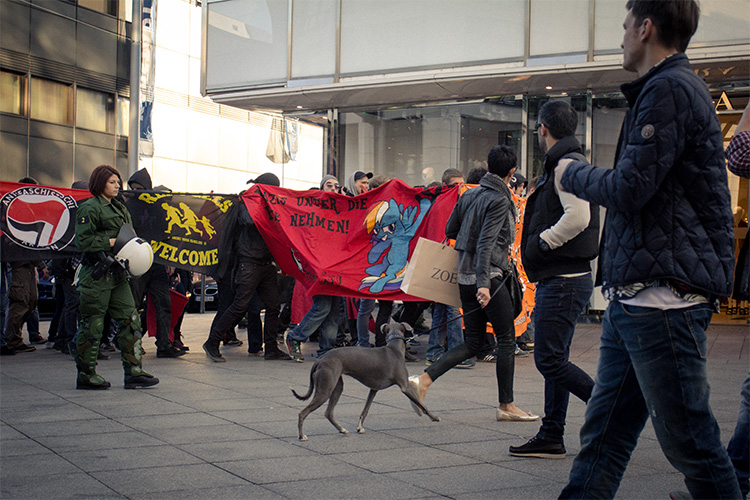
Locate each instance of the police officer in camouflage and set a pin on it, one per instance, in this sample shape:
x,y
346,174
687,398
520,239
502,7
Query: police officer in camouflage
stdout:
x,y
103,286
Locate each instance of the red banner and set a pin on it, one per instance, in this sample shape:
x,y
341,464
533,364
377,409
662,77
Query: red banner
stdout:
x,y
349,246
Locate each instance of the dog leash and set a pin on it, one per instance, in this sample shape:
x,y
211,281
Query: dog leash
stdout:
x,y
502,283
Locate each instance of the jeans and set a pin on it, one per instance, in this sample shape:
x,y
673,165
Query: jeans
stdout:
x,y
499,312
739,445
4,288
652,363
559,302
323,315
446,318
385,308
366,306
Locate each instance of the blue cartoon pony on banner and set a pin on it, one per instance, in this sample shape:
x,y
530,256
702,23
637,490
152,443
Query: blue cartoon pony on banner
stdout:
x,y
391,228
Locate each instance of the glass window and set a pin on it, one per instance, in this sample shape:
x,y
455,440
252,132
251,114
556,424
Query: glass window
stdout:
x,y
12,93
123,116
379,35
50,101
608,113
536,155
94,110
104,6
417,145
246,43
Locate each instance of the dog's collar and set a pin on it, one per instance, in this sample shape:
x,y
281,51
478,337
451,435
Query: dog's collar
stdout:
x,y
394,336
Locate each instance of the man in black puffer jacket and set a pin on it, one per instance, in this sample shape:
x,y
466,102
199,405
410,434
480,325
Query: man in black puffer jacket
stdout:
x,y
666,257
560,238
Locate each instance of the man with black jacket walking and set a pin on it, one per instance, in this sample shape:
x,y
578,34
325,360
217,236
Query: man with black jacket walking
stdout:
x,y
667,255
255,271
560,238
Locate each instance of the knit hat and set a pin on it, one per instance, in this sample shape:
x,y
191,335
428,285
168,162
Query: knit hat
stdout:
x,y
327,177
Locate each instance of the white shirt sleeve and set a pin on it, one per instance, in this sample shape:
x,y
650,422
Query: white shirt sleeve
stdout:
x,y
575,218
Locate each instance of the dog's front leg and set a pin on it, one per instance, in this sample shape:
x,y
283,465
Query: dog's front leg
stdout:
x,y
409,392
370,397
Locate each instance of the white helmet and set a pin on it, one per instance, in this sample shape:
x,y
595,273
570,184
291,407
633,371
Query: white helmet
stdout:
x,y
132,252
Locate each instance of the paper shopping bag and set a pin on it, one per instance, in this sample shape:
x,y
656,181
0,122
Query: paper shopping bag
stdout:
x,y
431,273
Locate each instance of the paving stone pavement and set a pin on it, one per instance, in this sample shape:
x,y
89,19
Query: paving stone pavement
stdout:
x,y
229,430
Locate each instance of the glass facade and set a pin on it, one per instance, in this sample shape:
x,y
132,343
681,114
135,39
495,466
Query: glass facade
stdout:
x,y
11,93
95,110
417,144
50,101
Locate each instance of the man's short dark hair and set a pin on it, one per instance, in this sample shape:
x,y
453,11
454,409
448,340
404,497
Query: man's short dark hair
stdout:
x,y
99,178
501,160
475,175
559,117
28,180
675,20
450,173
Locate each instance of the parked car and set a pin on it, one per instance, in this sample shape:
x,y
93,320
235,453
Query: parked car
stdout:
x,y
212,296
47,302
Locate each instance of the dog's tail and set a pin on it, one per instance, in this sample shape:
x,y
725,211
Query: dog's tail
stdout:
x,y
312,386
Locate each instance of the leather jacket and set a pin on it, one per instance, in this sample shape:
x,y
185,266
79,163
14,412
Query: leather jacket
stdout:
x,y
482,223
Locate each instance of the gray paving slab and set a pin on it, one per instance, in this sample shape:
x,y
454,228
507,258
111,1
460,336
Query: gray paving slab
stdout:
x,y
156,480
76,485
229,430
115,459
357,485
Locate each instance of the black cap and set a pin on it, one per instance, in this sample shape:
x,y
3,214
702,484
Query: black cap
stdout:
x,y
359,174
517,180
267,179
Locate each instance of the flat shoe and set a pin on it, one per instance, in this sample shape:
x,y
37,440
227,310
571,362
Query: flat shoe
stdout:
x,y
414,384
504,416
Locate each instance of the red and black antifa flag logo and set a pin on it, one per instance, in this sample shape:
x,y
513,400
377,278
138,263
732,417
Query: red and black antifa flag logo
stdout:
x,y
38,222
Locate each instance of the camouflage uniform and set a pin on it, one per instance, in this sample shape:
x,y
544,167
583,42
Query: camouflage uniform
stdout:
x,y
98,220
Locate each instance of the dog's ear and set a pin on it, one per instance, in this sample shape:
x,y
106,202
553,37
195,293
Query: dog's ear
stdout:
x,y
385,328
407,328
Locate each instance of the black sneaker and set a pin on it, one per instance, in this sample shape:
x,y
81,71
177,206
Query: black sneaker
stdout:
x,y
170,352
135,381
233,342
213,353
276,355
539,448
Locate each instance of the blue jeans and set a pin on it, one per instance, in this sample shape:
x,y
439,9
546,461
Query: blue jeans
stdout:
x,y
444,317
366,307
322,316
652,363
739,445
559,302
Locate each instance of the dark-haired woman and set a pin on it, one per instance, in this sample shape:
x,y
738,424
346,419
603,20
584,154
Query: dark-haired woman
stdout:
x,y
98,221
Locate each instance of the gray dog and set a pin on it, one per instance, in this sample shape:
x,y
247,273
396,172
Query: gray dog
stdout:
x,y
377,368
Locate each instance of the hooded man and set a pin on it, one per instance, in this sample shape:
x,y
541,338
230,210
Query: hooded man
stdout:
x,y
155,282
254,271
